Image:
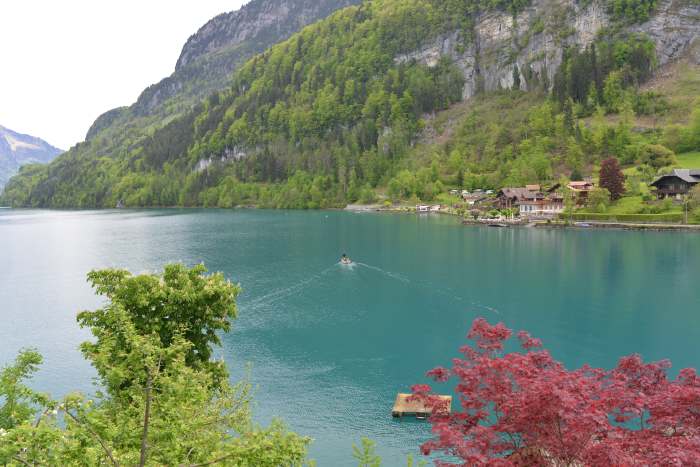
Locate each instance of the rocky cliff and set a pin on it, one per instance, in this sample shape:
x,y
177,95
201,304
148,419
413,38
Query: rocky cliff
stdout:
x,y
535,40
214,52
331,109
17,150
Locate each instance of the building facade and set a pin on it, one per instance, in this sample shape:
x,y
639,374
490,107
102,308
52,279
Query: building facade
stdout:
x,y
676,184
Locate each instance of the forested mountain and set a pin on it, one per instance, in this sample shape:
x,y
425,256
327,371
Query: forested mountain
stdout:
x,y
205,65
17,150
212,54
408,96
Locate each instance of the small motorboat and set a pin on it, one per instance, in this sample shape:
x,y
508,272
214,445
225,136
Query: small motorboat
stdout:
x,y
345,259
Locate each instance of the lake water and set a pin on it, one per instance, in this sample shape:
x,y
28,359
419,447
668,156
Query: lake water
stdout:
x,y
330,346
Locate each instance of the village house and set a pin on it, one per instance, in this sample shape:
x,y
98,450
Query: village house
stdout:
x,y
676,184
549,206
581,190
532,201
510,198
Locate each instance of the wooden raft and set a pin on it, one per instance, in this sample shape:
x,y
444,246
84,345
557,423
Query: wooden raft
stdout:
x,y
403,406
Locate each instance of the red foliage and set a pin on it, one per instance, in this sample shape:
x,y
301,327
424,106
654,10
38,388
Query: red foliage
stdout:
x,y
527,409
612,178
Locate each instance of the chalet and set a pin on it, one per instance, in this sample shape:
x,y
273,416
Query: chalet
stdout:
x,y
548,206
509,198
677,183
532,201
581,189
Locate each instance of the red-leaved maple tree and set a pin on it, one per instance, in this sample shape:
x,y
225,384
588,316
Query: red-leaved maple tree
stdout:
x,y
612,178
525,408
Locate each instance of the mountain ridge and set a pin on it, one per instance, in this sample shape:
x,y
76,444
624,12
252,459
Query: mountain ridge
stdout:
x,y
332,113
210,55
18,149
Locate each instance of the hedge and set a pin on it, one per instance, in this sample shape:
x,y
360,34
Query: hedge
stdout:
x,y
670,218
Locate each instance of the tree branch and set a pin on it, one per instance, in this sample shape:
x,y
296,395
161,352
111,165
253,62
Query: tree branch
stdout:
x,y
22,461
213,461
97,437
146,419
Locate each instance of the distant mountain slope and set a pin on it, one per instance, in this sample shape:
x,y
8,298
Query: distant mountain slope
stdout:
x,y
339,109
17,150
211,55
206,64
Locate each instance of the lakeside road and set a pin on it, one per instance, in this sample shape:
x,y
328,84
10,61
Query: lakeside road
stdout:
x,y
619,225
537,223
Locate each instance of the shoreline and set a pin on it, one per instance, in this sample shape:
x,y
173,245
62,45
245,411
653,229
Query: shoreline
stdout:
x,y
540,224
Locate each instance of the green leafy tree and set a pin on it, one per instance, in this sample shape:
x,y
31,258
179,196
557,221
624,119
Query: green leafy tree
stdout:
x,y
180,302
598,200
694,197
653,155
613,91
153,406
18,399
365,454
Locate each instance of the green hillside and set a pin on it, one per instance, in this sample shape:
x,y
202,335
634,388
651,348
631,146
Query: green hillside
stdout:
x,y
331,116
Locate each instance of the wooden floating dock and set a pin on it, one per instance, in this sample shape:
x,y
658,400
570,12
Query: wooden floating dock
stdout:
x,y
404,406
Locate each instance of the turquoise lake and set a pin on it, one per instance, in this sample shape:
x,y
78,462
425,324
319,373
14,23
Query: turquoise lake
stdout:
x,y
330,346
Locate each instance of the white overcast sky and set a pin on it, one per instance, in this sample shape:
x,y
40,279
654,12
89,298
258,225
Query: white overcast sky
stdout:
x,y
65,62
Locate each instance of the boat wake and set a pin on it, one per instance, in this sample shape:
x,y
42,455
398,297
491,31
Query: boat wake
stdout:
x,y
430,287
280,294
392,275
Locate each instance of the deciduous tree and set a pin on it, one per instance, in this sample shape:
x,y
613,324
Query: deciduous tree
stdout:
x,y
528,409
612,178
155,403
181,301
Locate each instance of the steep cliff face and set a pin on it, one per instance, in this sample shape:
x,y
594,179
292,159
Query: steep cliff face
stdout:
x,y
212,54
17,149
260,21
330,107
535,41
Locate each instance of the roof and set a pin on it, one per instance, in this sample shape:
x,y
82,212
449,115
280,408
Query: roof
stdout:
x,y
687,175
540,202
580,185
520,193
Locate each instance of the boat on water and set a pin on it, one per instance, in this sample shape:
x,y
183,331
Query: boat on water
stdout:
x,y
345,259
498,224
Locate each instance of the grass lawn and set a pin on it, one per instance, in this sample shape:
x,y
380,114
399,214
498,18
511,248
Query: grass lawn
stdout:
x,y
626,205
633,204
446,199
680,84
689,160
